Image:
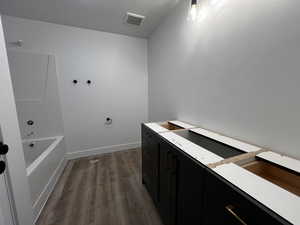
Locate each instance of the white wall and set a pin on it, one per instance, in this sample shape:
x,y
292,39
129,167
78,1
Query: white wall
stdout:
x,y
235,71
117,66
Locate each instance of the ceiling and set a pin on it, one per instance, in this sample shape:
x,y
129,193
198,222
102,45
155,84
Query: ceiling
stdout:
x,y
103,15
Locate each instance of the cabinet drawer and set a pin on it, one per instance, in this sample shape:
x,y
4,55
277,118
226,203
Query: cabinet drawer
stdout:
x,y
227,205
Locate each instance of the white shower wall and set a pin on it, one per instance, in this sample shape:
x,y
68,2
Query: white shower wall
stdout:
x,y
36,92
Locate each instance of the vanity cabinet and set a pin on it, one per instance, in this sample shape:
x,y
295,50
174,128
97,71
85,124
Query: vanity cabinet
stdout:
x,y
187,192
225,204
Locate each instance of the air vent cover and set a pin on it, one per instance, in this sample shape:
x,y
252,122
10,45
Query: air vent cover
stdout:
x,y
134,19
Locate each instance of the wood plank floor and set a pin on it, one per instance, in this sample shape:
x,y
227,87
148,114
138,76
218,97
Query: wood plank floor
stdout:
x,y
101,190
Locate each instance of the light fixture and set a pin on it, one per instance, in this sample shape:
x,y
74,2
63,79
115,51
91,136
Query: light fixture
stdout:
x,y
194,3
193,12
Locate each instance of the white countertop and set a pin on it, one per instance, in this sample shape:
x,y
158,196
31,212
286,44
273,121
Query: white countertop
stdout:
x,y
285,161
182,124
156,127
201,154
227,140
274,197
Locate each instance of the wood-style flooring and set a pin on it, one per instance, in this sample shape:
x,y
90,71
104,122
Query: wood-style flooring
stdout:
x,y
101,190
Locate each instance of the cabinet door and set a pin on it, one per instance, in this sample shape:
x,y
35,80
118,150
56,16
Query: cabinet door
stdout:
x,y
190,191
145,157
150,162
225,204
154,148
173,187
168,184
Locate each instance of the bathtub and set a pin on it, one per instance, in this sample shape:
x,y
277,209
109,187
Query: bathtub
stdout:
x,y
45,160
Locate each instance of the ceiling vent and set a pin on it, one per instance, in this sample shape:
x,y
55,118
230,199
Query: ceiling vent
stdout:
x,y
134,19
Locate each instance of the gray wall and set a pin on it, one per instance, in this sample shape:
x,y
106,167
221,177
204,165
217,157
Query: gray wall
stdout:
x,y
117,66
235,70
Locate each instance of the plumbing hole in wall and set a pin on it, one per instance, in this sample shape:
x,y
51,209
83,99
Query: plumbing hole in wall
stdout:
x,y
31,145
108,121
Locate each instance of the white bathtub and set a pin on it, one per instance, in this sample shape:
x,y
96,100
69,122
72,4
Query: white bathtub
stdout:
x,y
45,160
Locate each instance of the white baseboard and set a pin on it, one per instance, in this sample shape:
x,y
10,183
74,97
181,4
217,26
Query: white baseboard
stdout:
x,y
101,150
42,199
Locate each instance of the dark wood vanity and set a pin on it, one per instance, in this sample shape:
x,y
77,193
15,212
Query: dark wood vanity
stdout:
x,y
186,192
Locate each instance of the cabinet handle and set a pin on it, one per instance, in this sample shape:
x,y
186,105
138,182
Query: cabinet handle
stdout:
x,y
230,209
